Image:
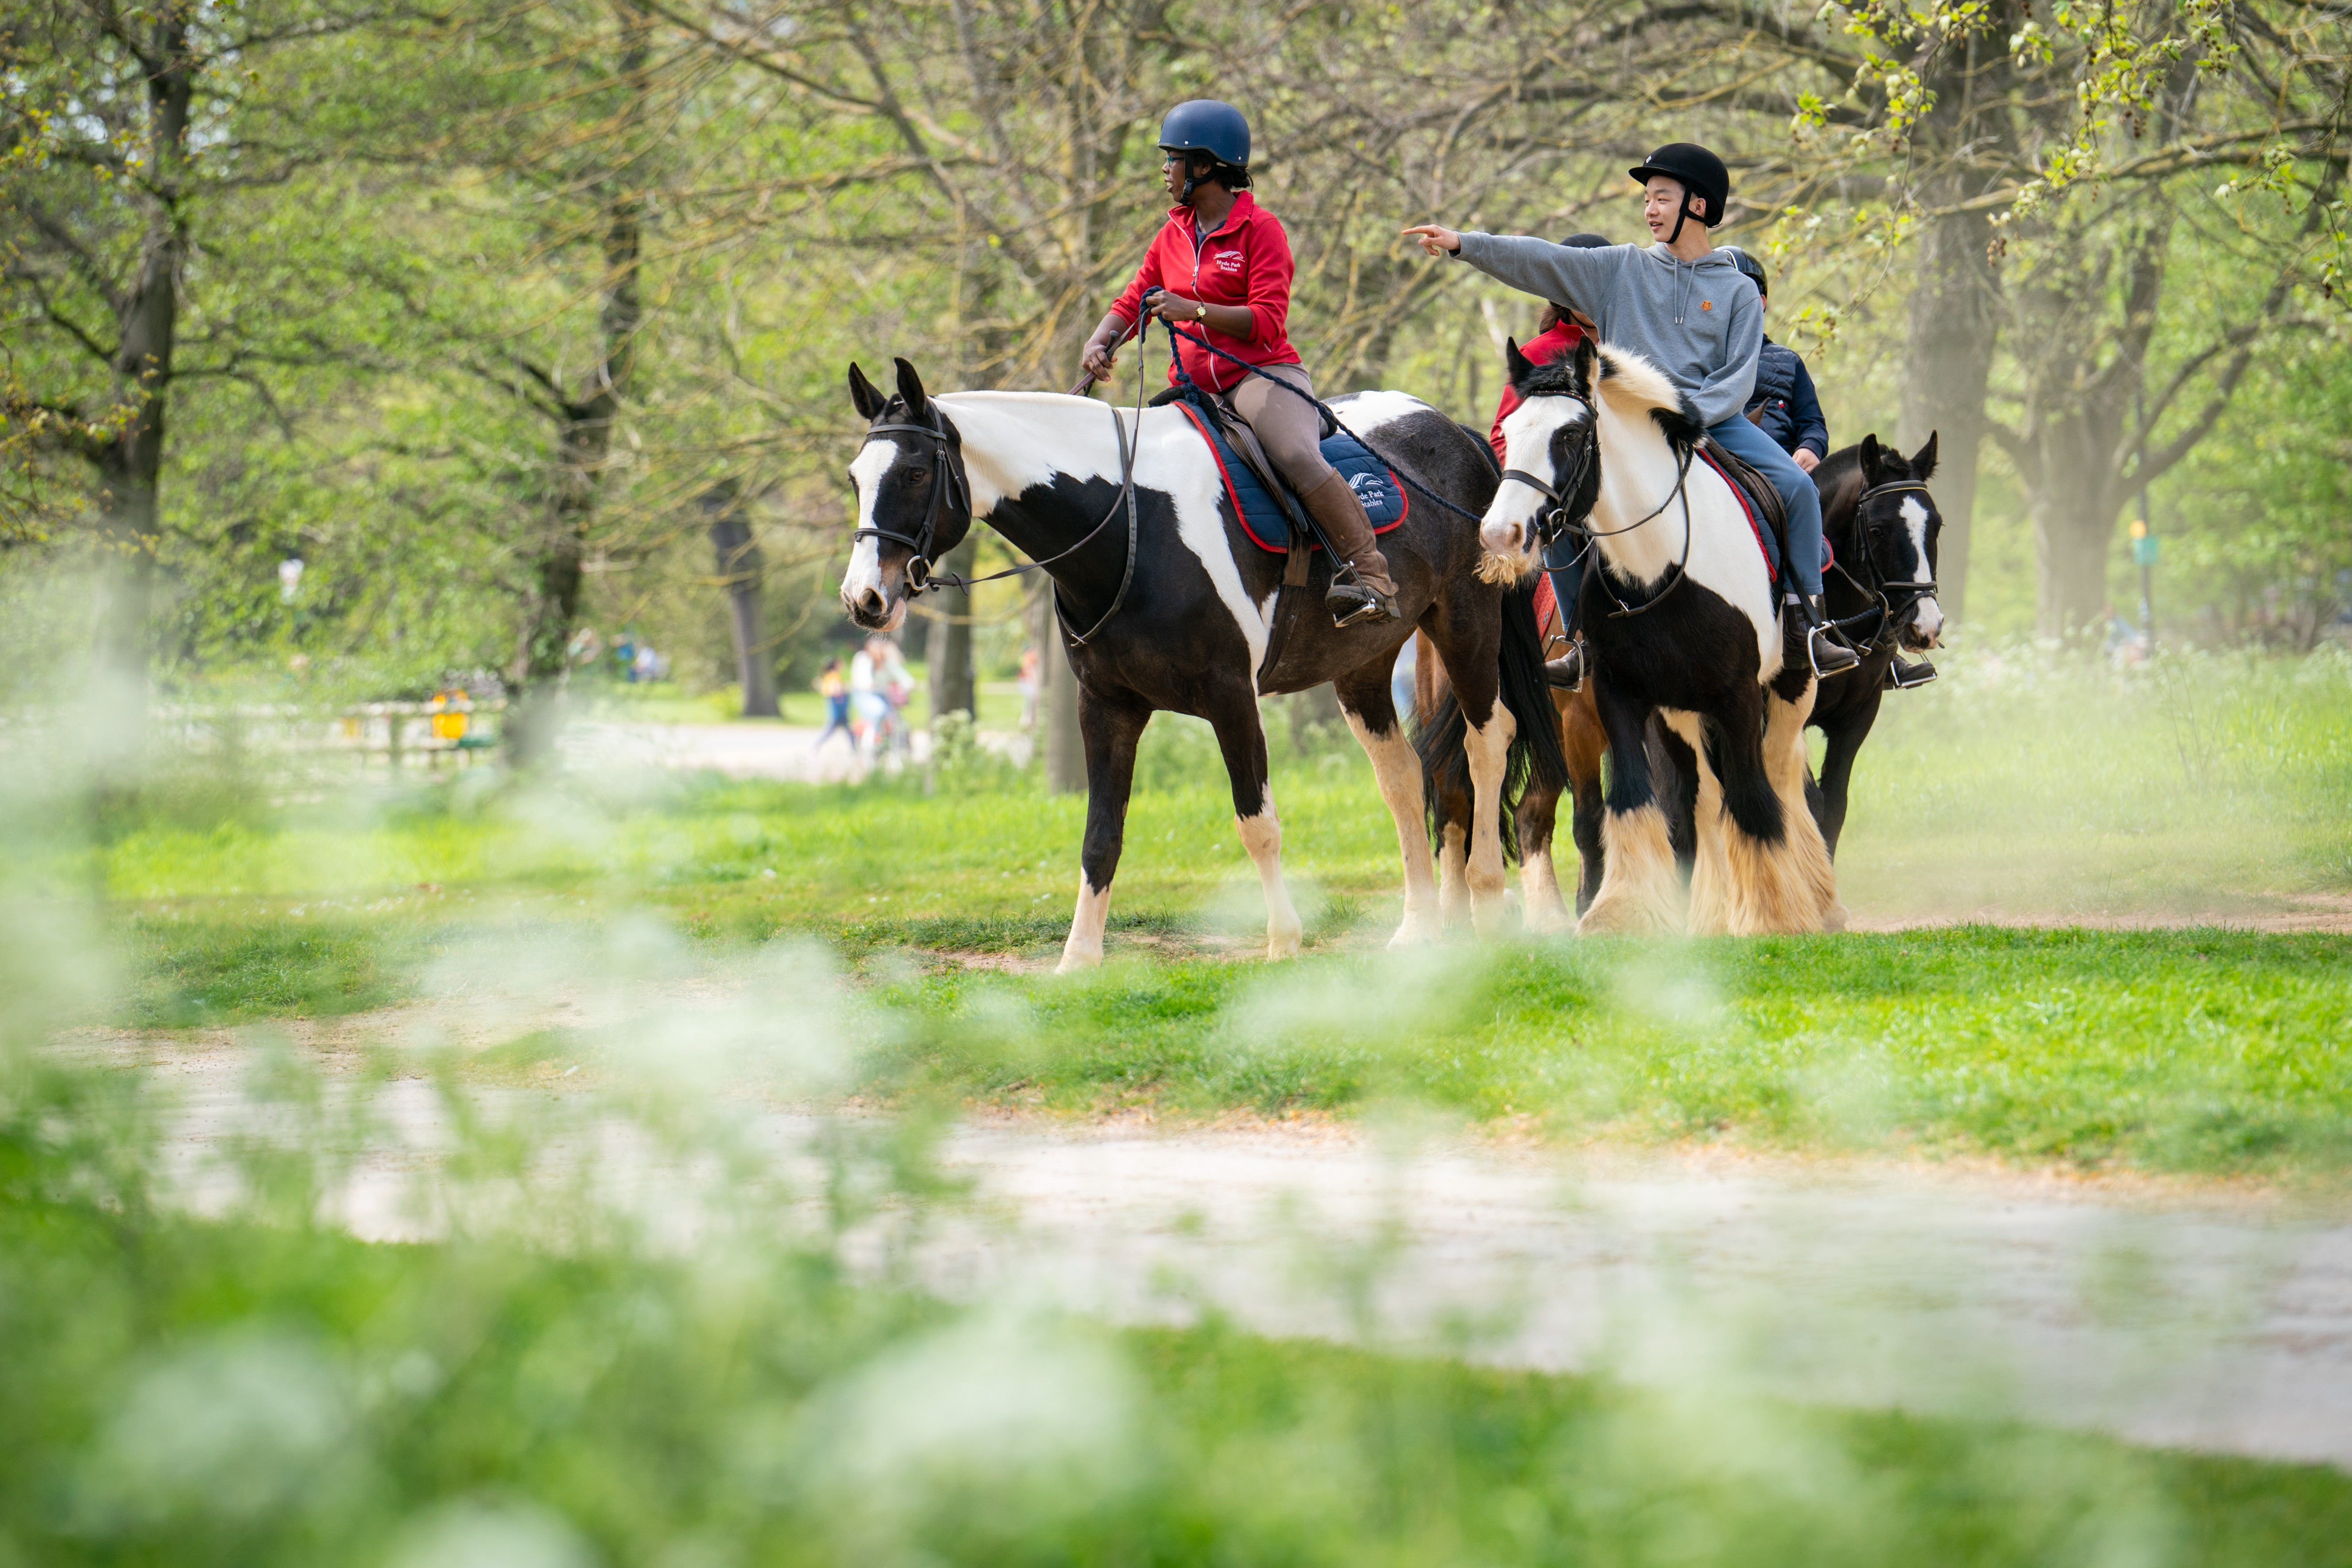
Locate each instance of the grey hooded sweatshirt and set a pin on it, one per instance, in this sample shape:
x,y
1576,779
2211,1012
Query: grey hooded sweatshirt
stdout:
x,y
1698,321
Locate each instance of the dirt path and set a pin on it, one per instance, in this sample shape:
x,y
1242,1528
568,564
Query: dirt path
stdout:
x,y
2214,1319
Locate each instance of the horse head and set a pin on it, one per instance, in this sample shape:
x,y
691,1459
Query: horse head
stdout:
x,y
1551,461
1898,525
914,504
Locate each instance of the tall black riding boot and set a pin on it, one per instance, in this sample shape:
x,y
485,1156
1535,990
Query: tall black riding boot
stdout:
x,y
1823,647
1361,590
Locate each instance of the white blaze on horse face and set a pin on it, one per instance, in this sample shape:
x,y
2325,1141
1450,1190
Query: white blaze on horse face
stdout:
x,y
863,578
1509,528
1926,615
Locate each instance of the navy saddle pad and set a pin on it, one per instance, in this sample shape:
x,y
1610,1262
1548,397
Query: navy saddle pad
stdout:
x,y
1383,498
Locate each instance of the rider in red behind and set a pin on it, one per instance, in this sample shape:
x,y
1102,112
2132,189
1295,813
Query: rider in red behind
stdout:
x,y
1220,268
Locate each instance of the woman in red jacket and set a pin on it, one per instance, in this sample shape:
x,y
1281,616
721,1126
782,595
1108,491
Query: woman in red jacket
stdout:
x,y
1221,267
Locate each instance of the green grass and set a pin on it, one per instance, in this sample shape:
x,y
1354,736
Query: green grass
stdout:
x,y
2211,786
258,1391
2174,1050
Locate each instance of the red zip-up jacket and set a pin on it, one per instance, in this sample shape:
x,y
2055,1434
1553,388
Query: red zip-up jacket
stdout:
x,y
1246,260
1542,349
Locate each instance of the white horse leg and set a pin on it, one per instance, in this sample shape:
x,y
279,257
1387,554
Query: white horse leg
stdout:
x,y
1398,772
1084,949
1453,880
1805,857
1711,881
1262,836
1489,747
1544,910
1242,739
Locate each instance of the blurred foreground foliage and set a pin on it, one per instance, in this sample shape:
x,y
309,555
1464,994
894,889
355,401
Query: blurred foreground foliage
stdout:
x,y
561,1387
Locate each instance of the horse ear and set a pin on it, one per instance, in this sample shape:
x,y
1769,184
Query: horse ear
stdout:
x,y
1872,456
910,387
1588,363
867,401
1517,364
1923,461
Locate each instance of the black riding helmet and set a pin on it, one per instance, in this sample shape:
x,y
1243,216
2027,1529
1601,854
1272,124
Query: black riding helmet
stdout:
x,y
1749,266
1207,125
1699,173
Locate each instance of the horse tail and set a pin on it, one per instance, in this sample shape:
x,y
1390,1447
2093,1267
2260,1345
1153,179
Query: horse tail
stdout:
x,y
1536,756
1441,734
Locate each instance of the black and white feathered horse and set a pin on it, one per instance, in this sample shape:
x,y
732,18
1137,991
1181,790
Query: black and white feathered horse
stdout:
x,y
1681,619
1182,623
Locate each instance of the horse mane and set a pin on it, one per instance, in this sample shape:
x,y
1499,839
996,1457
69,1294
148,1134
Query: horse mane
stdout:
x,y
1633,385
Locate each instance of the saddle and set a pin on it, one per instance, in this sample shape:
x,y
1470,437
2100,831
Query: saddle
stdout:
x,y
1268,509
1271,513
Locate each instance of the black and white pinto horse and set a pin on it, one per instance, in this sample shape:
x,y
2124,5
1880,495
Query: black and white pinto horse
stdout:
x,y
1883,528
1194,605
1680,621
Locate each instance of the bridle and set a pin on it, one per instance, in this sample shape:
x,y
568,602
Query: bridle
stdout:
x,y
1890,600
951,488
1555,520
948,488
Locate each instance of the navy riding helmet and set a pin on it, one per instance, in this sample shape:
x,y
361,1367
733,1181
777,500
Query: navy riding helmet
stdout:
x,y
1205,125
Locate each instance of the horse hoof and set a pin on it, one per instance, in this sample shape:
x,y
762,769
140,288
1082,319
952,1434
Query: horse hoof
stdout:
x,y
1281,944
1545,921
1422,928
1075,959
1836,919
1618,916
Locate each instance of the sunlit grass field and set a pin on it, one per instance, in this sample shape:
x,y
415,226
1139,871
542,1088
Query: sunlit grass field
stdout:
x,y
2205,788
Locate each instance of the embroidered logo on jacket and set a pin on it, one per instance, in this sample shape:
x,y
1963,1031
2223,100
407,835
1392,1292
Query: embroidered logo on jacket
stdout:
x,y
1229,261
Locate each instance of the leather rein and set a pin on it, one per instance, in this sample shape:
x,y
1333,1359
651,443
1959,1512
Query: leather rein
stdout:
x,y
1555,520
1882,593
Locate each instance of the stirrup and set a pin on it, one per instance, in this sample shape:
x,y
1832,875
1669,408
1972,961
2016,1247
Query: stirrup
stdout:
x,y
1826,653
1901,677
1352,602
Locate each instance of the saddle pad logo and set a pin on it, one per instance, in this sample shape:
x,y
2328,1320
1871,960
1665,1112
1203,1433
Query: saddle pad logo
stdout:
x,y
1371,489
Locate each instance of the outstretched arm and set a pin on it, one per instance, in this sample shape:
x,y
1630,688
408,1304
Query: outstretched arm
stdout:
x,y
1536,265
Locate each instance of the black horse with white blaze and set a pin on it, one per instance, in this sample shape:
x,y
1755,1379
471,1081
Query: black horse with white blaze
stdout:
x,y
1883,529
1171,606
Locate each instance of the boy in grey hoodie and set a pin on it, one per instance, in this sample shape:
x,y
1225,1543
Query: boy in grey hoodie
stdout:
x,y
1684,306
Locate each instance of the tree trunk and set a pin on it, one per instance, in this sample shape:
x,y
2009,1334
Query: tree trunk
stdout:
x,y
742,568
1057,709
584,443
1953,329
130,463
949,653
2073,533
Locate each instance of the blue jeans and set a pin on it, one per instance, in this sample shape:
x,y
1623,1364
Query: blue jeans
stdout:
x,y
1798,494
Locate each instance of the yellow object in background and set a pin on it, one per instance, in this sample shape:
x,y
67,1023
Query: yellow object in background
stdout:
x,y
450,714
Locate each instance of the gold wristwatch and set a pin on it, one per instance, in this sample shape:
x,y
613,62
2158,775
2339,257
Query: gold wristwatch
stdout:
x,y
1199,310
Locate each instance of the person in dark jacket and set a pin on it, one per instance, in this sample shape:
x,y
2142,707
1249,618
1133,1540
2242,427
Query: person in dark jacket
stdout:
x,y
1786,409
1784,406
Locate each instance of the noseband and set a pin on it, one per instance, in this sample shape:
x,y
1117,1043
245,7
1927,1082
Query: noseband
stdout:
x,y
948,488
1555,520
1890,600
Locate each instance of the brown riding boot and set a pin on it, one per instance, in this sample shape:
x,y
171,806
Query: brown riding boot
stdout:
x,y
1361,590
